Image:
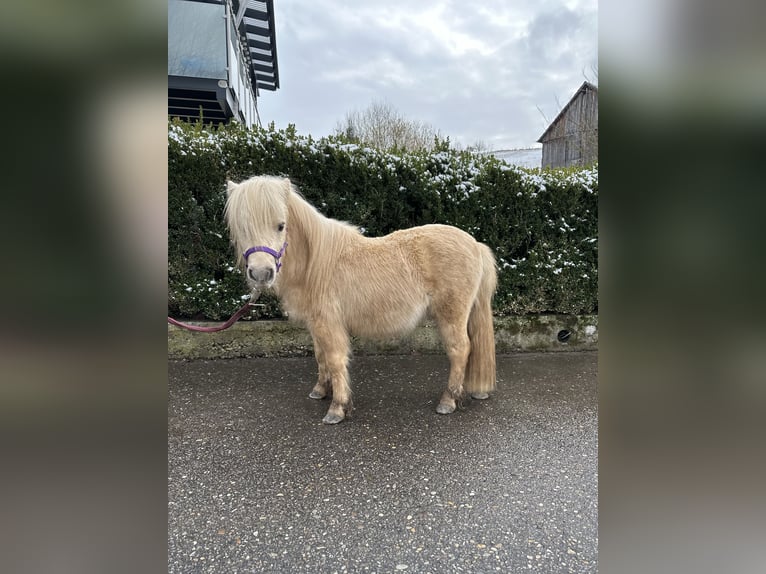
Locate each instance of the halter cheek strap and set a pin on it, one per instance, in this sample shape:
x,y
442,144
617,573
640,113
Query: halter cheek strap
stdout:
x,y
275,254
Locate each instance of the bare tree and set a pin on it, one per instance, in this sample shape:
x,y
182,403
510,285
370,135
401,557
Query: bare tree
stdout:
x,y
593,76
381,126
479,146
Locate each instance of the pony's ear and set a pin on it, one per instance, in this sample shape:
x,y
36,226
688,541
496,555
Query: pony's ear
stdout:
x,y
230,186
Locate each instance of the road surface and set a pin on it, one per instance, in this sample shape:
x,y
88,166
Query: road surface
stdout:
x,y
256,483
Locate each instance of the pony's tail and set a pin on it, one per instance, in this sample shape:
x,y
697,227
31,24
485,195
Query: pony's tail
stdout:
x,y
480,371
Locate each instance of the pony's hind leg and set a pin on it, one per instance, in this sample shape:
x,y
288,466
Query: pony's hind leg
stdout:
x,y
334,345
458,347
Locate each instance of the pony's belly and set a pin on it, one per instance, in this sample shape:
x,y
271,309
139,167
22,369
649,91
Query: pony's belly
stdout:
x,y
387,322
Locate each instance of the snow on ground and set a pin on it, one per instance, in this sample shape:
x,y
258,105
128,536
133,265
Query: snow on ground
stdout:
x,y
529,157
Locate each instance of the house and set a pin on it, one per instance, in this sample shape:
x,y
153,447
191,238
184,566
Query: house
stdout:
x,y
221,54
572,137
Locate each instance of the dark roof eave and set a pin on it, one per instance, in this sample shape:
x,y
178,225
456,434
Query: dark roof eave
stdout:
x,y
267,41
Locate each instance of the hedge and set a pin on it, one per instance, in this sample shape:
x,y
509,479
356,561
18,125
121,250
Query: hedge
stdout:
x,y
542,225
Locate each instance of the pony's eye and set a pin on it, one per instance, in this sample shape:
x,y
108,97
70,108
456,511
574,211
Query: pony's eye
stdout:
x,y
281,227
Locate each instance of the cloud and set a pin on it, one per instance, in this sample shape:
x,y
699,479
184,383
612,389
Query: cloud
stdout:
x,y
475,71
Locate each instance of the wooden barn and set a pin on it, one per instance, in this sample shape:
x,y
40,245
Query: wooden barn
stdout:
x,y
572,138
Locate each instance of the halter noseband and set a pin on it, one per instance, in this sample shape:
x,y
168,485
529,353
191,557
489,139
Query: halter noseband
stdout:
x,y
275,254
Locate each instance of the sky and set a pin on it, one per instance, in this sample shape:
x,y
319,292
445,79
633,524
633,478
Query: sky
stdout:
x,y
476,71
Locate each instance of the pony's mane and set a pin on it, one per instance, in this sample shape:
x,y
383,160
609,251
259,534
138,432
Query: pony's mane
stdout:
x,y
259,201
318,228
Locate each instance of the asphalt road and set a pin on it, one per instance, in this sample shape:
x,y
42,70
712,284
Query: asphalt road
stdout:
x,y
256,483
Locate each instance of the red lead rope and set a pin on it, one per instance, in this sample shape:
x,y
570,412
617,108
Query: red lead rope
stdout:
x,y
234,318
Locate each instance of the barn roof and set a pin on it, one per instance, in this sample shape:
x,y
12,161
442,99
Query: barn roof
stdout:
x,y
585,87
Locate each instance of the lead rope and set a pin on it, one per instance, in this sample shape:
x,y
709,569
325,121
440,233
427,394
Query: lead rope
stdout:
x,y
233,319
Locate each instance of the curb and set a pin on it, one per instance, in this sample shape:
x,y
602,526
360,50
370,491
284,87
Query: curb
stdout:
x,y
286,339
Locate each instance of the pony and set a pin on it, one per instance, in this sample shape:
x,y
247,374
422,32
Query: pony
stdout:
x,y
339,282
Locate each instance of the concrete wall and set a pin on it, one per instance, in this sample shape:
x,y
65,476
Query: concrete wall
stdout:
x,y
283,339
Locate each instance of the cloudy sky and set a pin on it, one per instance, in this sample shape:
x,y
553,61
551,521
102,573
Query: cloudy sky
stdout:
x,y
476,71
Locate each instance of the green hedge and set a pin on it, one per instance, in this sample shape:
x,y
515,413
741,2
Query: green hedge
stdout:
x,y
542,226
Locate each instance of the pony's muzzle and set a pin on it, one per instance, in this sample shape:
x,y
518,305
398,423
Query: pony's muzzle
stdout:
x,y
261,275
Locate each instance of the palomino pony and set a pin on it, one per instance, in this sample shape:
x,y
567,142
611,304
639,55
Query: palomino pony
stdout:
x,y
339,282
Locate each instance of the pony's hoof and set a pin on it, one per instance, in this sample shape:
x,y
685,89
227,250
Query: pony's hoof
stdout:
x,y
443,409
480,396
316,395
332,419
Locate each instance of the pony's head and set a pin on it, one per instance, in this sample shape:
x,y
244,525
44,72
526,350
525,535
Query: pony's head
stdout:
x,y
256,213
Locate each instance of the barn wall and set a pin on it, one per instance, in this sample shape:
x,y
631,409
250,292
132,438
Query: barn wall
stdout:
x,y
573,137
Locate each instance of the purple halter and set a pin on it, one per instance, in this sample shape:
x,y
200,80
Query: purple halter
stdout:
x,y
275,254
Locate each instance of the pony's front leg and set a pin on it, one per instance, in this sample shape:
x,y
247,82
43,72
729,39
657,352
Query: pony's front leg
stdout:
x,y
333,345
323,385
